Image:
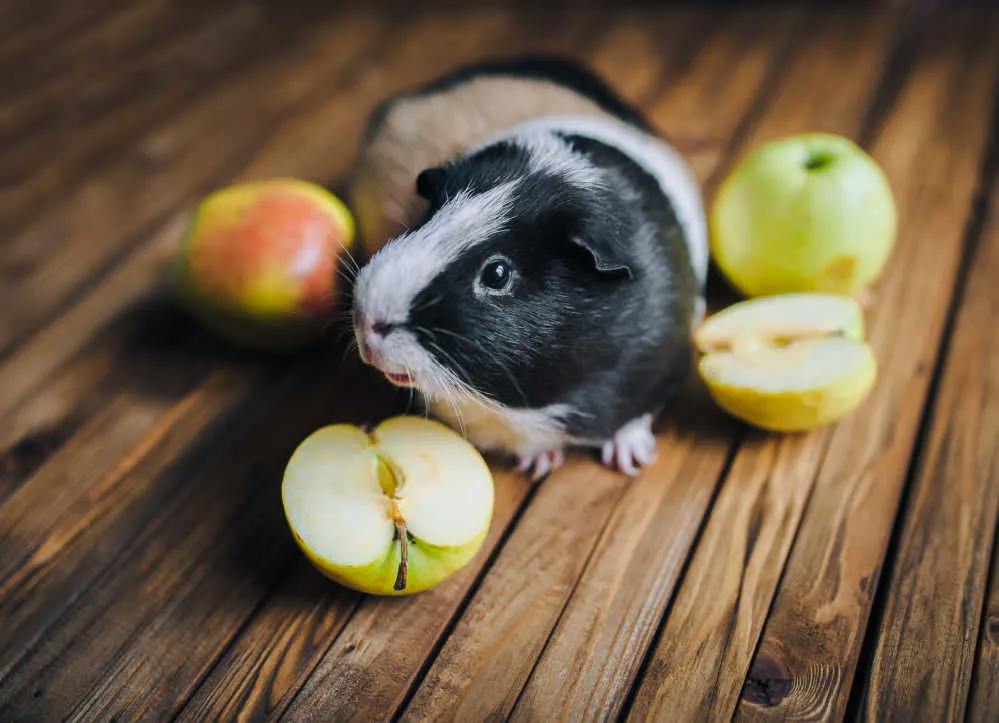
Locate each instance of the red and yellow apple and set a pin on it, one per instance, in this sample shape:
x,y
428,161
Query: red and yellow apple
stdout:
x,y
260,262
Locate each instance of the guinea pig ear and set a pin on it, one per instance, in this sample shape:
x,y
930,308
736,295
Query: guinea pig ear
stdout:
x,y
609,257
430,183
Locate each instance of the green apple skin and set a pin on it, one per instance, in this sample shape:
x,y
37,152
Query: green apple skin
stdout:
x,y
428,566
804,213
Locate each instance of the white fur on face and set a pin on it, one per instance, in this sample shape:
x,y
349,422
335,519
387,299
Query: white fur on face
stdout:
x,y
406,265
391,280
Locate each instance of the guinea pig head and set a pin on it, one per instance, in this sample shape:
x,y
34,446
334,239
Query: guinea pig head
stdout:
x,y
505,289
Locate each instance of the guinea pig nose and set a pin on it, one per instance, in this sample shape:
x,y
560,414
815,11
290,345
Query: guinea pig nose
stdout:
x,y
381,328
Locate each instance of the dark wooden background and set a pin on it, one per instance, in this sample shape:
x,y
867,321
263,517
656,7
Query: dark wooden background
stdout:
x,y
145,568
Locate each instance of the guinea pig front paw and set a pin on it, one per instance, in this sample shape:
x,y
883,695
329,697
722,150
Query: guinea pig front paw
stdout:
x,y
541,464
632,447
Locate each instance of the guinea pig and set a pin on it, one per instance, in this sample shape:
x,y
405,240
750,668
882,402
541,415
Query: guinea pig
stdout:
x,y
538,261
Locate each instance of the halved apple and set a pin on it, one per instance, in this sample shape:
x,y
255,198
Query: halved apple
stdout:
x,y
787,363
390,512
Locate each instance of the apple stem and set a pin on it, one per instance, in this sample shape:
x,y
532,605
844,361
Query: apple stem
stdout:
x,y
400,530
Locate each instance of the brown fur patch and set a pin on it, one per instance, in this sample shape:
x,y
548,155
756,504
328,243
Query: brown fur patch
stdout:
x,y
421,132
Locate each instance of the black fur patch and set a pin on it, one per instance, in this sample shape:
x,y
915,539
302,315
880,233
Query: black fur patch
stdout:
x,y
613,347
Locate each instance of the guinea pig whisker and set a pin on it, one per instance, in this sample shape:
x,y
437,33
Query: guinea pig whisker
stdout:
x,y
348,278
459,384
441,387
349,261
430,302
351,346
495,358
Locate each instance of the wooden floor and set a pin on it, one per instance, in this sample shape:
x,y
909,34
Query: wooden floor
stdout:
x,y
145,567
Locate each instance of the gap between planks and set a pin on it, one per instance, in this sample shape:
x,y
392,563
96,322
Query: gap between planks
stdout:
x,y
938,563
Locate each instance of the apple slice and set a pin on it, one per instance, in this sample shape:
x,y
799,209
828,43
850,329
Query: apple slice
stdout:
x,y
787,363
394,511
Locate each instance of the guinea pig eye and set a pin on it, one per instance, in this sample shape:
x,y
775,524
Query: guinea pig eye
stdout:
x,y
496,275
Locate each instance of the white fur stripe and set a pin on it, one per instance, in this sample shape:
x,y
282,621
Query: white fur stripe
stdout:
x,y
660,159
401,269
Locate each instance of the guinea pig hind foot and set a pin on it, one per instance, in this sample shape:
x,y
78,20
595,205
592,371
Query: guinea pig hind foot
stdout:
x,y
632,447
540,465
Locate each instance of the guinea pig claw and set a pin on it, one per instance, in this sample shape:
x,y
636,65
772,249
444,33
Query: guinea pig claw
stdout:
x,y
542,464
632,447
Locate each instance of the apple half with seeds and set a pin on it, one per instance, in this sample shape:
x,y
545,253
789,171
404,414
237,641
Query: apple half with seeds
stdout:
x,y
787,363
393,511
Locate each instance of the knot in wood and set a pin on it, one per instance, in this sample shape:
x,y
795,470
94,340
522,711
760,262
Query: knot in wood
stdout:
x,y
769,680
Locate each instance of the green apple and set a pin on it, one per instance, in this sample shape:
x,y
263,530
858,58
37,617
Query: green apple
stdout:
x,y
260,262
805,213
787,363
390,512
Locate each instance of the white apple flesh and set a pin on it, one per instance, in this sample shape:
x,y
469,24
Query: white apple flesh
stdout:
x,y
787,363
392,512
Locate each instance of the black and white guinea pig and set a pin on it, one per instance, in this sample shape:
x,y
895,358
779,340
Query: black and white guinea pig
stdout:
x,y
538,259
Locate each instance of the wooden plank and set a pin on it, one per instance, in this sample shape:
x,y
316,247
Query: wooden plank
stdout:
x,y
271,659
639,34
101,514
137,637
106,97
26,26
197,150
699,663
78,95
88,56
139,278
931,149
585,517
984,700
926,645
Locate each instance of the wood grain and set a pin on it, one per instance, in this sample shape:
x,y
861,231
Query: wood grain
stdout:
x,y
29,25
487,659
603,630
59,558
180,160
74,99
278,650
110,102
125,294
984,700
808,653
700,661
205,541
926,645
479,672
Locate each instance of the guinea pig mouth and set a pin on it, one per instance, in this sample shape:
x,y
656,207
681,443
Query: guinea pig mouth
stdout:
x,y
400,380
